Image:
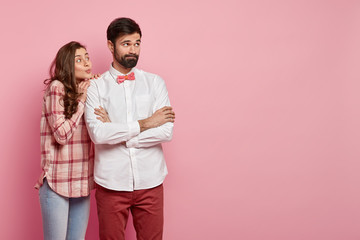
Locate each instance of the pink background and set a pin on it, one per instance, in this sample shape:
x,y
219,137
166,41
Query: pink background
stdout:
x,y
266,138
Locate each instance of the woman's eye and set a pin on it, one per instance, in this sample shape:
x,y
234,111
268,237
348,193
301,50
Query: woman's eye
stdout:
x,y
87,59
78,60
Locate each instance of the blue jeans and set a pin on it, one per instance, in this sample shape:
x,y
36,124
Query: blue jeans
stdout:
x,y
63,218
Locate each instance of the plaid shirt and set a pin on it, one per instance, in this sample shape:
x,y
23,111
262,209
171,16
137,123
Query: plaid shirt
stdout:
x,y
67,153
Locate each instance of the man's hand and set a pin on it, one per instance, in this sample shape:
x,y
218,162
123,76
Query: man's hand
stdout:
x,y
160,117
102,114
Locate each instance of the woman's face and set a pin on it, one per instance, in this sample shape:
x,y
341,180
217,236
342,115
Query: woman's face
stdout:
x,y
82,65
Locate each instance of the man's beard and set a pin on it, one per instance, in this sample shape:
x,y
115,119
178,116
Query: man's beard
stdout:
x,y
127,63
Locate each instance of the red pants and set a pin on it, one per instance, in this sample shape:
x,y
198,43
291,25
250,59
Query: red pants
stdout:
x,y
146,207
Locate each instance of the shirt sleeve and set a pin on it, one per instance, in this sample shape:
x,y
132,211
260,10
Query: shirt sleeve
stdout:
x,y
108,132
61,127
159,134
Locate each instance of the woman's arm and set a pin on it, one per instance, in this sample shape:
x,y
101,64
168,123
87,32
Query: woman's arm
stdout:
x,y
61,127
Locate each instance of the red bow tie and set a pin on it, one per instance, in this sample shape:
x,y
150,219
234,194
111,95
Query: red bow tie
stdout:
x,y
122,78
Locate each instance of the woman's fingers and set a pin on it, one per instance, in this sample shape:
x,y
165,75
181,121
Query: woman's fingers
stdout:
x,y
83,86
95,76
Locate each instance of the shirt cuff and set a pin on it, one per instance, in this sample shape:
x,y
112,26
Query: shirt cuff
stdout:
x,y
134,129
81,104
133,143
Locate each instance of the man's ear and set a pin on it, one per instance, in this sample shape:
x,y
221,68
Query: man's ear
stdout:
x,y
110,46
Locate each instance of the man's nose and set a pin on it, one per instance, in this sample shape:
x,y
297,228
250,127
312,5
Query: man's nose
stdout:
x,y
132,49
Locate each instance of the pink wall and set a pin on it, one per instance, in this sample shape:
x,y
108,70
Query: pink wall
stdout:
x,y
267,101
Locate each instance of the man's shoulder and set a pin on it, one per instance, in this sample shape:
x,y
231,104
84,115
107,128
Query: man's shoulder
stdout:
x,y
147,75
100,81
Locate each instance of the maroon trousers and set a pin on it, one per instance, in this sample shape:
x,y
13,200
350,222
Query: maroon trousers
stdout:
x,y
146,207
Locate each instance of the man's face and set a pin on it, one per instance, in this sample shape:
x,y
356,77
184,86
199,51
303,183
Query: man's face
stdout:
x,y
127,49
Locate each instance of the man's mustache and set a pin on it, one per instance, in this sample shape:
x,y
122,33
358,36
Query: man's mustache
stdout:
x,y
132,55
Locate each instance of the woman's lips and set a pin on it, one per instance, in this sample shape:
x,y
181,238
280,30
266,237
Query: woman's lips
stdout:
x,y
88,71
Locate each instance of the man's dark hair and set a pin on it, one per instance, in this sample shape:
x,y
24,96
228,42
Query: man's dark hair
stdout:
x,y
120,27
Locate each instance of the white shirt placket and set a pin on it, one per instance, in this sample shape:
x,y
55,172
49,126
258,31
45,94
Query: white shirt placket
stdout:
x,y
129,118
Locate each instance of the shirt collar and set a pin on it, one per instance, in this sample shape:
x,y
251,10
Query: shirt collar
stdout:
x,y
116,73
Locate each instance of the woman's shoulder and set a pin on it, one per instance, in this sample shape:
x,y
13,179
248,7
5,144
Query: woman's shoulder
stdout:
x,y
55,86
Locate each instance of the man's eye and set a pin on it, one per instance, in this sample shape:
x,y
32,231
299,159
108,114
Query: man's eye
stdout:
x,y
137,44
125,44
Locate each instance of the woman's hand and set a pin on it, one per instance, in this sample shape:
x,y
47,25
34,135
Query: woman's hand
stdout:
x,y
102,114
82,89
95,76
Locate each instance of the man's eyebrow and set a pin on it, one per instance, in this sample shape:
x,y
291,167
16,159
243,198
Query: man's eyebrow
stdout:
x,y
126,41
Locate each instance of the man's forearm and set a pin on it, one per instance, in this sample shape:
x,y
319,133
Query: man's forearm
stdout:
x,y
160,117
145,124
152,136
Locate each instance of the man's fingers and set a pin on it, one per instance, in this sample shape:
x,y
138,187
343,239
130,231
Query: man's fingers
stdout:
x,y
169,112
99,113
100,110
166,108
103,110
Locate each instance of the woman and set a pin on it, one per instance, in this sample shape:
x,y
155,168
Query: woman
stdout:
x,y
66,149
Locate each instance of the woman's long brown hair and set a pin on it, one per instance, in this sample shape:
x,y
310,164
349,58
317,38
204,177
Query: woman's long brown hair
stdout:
x,y
63,70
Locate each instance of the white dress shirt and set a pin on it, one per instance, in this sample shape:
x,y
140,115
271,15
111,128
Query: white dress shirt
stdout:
x,y
140,164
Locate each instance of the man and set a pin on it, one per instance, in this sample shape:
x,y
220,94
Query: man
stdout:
x,y
129,162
